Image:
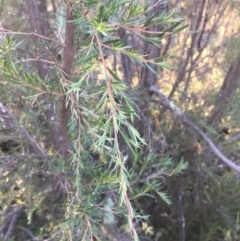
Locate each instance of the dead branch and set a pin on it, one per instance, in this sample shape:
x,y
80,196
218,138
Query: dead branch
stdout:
x,y
177,111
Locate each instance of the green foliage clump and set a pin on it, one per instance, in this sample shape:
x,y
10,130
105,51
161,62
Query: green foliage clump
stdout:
x,y
106,172
128,174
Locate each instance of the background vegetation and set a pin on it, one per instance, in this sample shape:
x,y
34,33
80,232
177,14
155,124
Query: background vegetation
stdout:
x,y
119,120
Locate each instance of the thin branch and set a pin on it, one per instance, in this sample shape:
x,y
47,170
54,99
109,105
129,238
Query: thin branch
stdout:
x,y
20,157
234,138
9,32
43,61
12,224
181,216
177,111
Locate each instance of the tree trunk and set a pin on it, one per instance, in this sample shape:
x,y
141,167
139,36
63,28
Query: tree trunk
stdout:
x,y
39,25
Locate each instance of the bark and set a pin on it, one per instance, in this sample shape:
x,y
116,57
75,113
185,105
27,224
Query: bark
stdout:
x,y
68,61
148,78
2,7
39,25
126,62
167,45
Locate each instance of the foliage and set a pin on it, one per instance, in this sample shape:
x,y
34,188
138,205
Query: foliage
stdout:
x,y
101,122
133,172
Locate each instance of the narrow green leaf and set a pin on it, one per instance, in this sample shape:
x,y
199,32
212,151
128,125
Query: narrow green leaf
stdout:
x,y
180,29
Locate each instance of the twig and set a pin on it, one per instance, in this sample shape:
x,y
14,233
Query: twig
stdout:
x,y
234,138
177,111
41,60
181,216
6,31
29,233
11,224
44,61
